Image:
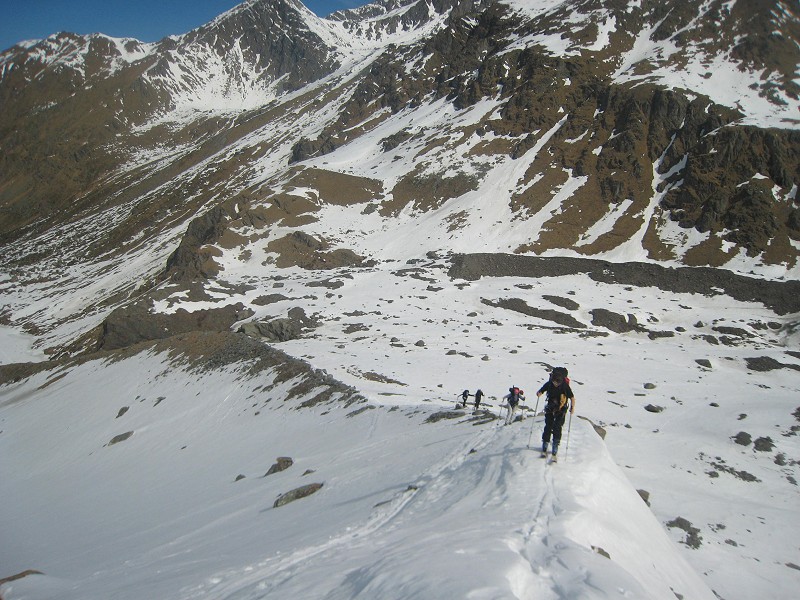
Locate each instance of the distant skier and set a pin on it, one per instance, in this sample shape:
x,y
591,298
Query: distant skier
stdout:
x,y
513,399
478,398
464,397
555,410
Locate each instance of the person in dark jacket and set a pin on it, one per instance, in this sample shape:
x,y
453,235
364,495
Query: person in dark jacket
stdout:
x,y
559,399
513,398
478,398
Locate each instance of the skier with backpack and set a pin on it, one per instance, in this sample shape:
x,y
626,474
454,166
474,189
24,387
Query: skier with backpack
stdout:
x,y
513,398
558,394
478,398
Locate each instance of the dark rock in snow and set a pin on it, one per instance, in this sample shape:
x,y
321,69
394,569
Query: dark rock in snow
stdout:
x,y
20,575
598,430
743,438
562,302
281,464
764,444
444,414
297,493
547,314
613,321
280,330
693,538
601,552
767,363
120,438
132,324
653,408
781,296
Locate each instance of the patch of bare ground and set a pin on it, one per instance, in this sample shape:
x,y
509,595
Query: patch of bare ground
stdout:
x,y
427,191
299,249
339,188
656,248
546,314
432,145
536,196
564,229
291,211
493,147
377,377
135,323
781,251
456,221
14,372
230,240
708,252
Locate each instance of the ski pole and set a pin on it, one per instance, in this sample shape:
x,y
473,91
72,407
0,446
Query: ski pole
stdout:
x,y
535,410
569,428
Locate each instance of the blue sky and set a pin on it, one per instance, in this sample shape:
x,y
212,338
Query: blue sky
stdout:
x,y
146,20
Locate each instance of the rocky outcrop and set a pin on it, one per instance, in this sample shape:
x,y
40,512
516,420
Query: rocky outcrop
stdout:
x,y
189,262
297,493
281,464
783,297
614,321
734,180
135,323
728,185
280,330
304,250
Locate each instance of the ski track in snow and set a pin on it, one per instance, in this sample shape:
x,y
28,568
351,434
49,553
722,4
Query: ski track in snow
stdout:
x,y
491,472
268,576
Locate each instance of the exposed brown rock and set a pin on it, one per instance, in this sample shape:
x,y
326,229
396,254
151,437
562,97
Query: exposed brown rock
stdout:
x,y
297,494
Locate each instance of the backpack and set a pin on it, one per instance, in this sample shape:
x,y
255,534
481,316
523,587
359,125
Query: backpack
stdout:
x,y
555,405
560,372
515,394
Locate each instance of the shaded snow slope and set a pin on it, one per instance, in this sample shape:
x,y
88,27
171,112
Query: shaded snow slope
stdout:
x,y
456,508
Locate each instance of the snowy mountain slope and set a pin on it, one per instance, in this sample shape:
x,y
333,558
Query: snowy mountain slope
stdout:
x,y
410,338
648,148
324,217
408,509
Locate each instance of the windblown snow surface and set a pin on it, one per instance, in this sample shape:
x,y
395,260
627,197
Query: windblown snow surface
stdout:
x,y
413,506
452,509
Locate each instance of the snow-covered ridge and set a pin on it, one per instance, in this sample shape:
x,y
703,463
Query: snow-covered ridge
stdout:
x,y
457,507
70,51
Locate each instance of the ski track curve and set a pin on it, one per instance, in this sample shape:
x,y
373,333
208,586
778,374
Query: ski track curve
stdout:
x,y
258,581
492,474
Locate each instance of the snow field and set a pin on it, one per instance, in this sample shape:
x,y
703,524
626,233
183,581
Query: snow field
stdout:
x,y
408,510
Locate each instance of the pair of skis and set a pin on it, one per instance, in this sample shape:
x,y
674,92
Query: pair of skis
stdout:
x,y
544,451
553,457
